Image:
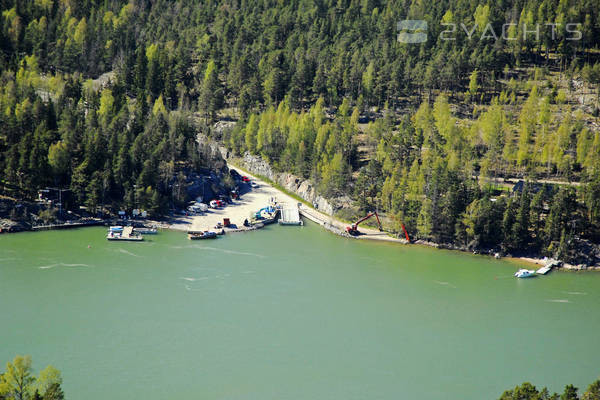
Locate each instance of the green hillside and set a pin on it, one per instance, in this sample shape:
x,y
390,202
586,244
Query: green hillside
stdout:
x,y
106,98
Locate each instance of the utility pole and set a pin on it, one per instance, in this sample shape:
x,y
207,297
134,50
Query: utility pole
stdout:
x,y
134,197
59,198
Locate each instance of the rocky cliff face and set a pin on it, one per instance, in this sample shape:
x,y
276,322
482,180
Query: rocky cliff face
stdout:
x,y
301,187
256,165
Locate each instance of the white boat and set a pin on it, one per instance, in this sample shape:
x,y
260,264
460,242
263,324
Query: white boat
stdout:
x,y
524,273
199,235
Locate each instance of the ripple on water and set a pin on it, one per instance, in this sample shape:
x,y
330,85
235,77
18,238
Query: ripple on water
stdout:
x,y
226,251
129,253
445,284
64,265
195,279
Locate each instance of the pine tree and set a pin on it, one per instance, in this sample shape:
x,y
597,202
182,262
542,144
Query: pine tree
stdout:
x,y
211,93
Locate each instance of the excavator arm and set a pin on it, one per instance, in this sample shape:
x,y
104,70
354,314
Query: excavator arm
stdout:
x,y
353,230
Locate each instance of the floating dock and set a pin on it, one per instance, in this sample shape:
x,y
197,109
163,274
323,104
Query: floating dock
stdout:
x,y
290,216
67,225
548,267
123,234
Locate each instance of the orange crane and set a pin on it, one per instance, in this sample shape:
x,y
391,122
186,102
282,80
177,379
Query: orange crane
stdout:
x,y
353,230
403,228
405,232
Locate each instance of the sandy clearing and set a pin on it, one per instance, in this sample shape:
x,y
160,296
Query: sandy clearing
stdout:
x,y
252,200
325,220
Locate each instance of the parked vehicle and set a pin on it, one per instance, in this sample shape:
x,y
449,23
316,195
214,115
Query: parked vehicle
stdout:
x,y
203,207
225,199
216,203
253,184
245,179
234,174
195,209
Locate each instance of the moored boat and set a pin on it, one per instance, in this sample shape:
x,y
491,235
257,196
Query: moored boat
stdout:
x,y
269,220
197,235
525,273
265,216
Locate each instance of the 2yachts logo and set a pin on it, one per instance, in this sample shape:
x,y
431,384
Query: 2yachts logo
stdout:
x,y
415,31
412,31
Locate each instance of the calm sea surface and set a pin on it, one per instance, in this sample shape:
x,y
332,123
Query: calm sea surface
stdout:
x,y
288,313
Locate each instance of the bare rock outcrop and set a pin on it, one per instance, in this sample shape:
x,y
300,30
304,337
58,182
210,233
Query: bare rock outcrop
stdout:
x,y
304,188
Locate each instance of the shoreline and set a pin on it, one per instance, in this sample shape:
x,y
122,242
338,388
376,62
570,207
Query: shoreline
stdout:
x,y
257,198
337,227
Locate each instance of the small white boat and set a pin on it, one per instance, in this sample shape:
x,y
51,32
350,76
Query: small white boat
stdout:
x,y
524,273
198,235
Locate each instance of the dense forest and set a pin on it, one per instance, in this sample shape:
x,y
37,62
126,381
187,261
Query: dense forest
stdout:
x,y
106,99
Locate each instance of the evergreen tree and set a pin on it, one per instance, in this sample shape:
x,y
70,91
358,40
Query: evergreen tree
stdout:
x,y
211,94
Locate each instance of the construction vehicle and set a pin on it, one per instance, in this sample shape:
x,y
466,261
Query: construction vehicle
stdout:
x,y
403,228
405,233
353,230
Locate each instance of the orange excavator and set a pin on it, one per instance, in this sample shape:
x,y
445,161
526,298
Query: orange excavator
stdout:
x,y
353,230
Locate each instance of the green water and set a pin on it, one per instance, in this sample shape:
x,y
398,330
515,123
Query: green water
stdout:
x,y
288,313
